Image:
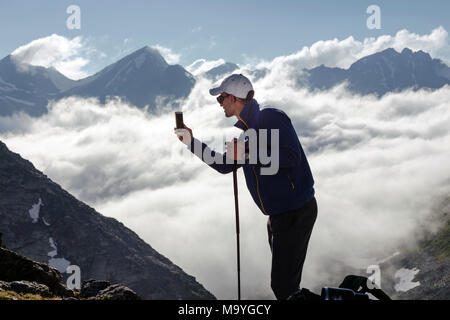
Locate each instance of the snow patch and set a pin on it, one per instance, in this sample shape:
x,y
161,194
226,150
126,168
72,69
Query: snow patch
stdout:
x,y
406,276
388,258
34,211
45,222
53,245
60,264
28,103
7,86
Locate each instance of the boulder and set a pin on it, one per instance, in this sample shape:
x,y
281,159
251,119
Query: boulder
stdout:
x,y
104,290
117,292
4,286
24,287
91,287
14,267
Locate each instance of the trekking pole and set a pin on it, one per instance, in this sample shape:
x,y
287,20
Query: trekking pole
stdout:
x,y
236,207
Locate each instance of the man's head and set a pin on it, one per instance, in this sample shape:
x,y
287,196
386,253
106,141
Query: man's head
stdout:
x,y
234,93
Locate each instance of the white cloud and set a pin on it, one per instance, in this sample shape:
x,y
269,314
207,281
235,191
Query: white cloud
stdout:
x,y
54,51
342,53
200,66
168,54
196,29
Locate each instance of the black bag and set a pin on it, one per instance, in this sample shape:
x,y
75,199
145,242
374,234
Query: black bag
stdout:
x,y
352,288
359,285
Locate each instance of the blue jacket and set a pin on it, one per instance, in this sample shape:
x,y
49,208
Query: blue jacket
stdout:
x,y
292,186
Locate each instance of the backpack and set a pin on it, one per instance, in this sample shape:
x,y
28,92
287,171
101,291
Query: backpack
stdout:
x,y
352,288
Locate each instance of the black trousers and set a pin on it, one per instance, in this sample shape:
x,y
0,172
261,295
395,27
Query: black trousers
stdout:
x,y
289,234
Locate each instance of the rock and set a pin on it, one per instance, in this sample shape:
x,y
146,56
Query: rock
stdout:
x,y
104,290
90,288
23,276
24,287
117,292
4,286
14,267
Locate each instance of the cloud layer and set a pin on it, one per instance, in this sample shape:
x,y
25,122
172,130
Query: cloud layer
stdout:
x,y
378,166
168,54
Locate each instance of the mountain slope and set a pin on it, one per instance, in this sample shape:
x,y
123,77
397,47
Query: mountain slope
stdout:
x,y
382,72
221,71
28,88
142,78
423,273
225,69
43,222
421,269
138,78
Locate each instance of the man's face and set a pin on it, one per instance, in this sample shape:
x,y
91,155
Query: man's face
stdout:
x,y
227,105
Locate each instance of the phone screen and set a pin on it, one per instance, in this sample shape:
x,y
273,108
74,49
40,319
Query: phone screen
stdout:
x,y
179,119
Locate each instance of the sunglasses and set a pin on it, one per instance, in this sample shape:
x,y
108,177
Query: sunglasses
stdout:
x,y
221,98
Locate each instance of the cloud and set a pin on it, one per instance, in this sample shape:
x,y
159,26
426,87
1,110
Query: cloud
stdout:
x,y
54,51
168,54
200,66
333,53
196,29
342,53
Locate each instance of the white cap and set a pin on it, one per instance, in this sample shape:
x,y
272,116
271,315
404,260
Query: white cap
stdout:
x,y
236,85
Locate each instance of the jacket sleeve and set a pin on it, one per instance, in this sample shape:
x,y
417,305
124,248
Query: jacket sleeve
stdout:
x,y
217,161
289,151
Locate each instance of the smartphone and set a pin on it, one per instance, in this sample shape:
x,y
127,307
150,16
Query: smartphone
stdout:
x,y
179,119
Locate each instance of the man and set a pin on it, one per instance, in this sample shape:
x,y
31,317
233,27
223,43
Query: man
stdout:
x,y
287,196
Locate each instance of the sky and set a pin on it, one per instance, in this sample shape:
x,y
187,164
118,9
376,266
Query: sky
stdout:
x,y
237,31
380,164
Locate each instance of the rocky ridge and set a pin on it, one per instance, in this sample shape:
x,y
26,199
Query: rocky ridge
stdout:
x,y
25,279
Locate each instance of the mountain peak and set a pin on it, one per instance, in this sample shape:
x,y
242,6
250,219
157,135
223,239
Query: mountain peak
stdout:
x,y
139,78
221,70
150,50
389,71
423,55
146,56
389,52
406,51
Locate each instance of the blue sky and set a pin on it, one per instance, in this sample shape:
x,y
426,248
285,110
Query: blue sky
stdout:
x,y
233,30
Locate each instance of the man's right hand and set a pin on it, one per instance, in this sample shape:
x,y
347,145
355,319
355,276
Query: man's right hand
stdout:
x,y
185,135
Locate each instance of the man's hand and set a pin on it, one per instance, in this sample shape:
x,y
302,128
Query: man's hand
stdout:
x,y
240,150
185,135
